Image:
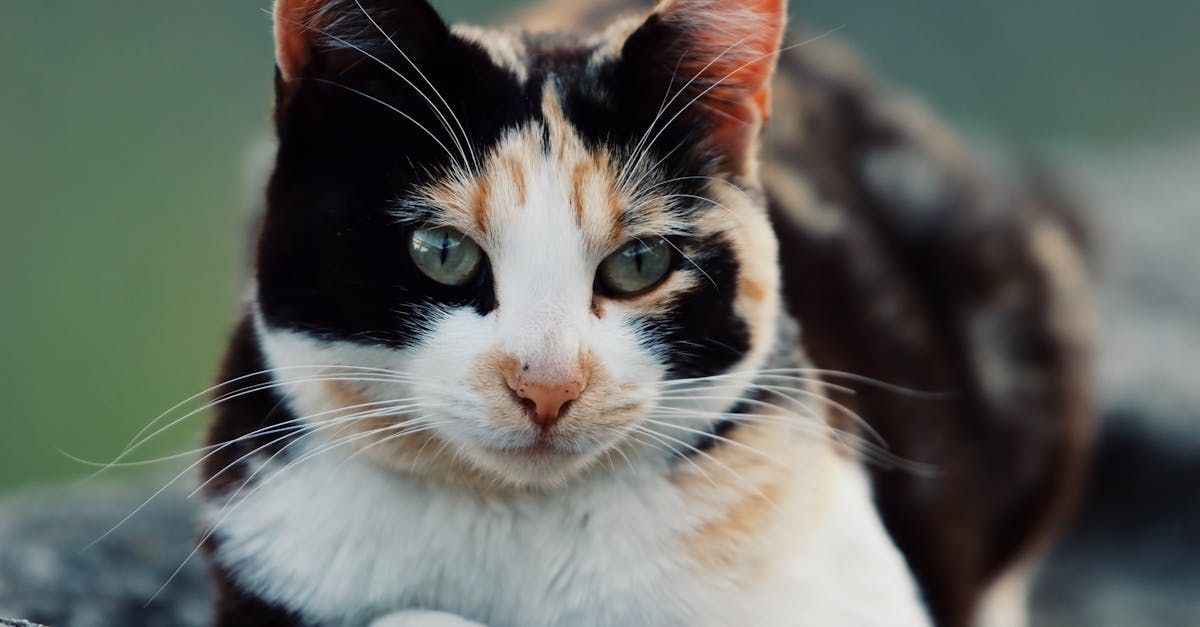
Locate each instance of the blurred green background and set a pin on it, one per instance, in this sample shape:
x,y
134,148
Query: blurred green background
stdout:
x,y
127,135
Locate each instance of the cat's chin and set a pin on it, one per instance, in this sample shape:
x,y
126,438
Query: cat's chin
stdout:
x,y
538,465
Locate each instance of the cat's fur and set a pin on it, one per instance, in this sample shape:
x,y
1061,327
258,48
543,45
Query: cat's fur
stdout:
x,y
742,496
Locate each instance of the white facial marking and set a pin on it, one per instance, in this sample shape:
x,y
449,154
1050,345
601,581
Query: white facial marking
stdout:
x,y
544,276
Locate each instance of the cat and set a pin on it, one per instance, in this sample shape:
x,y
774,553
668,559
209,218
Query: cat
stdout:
x,y
635,316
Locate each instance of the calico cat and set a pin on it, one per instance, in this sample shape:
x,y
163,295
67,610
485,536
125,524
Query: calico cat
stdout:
x,y
663,324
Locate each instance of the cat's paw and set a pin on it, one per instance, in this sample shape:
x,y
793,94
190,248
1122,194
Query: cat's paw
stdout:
x,y
420,618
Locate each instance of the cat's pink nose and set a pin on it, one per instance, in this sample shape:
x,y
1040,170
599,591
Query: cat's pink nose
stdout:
x,y
546,401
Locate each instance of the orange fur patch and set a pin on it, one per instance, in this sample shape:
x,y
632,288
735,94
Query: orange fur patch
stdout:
x,y
344,394
759,504
516,174
415,451
751,289
479,202
578,180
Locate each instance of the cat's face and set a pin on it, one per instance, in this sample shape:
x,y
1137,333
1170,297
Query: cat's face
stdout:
x,y
519,244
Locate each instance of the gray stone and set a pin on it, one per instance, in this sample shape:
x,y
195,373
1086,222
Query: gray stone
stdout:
x,y
48,574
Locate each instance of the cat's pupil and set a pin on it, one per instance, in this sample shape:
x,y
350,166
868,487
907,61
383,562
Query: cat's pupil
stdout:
x,y
445,251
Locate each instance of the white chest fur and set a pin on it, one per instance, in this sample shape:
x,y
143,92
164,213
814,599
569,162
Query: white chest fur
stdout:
x,y
343,543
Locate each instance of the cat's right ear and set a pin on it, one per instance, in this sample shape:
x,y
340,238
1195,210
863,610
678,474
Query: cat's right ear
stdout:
x,y
315,38
293,37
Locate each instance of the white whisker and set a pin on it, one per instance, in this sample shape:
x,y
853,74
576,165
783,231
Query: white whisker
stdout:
x,y
394,109
274,428
718,462
665,446
231,506
852,441
259,373
184,472
313,427
466,138
274,383
641,147
731,75
737,380
719,438
419,420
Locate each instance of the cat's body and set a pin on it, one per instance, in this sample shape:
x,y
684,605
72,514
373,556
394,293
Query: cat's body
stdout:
x,y
682,469
619,549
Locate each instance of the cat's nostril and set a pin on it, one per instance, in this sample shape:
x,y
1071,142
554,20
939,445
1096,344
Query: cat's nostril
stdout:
x,y
545,403
530,406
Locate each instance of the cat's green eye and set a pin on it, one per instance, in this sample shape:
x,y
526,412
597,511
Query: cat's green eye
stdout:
x,y
445,255
636,267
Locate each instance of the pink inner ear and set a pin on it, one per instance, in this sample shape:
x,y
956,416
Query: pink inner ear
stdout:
x,y
730,46
294,34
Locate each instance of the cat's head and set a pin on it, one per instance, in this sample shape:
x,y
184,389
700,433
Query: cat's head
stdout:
x,y
514,247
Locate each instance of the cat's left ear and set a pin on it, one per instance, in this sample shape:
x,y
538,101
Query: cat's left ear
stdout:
x,y
721,55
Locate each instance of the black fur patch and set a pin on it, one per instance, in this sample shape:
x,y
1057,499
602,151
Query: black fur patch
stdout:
x,y
332,257
238,608
702,334
243,412
716,433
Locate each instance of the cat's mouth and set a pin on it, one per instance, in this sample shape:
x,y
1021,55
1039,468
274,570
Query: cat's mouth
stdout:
x,y
538,447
